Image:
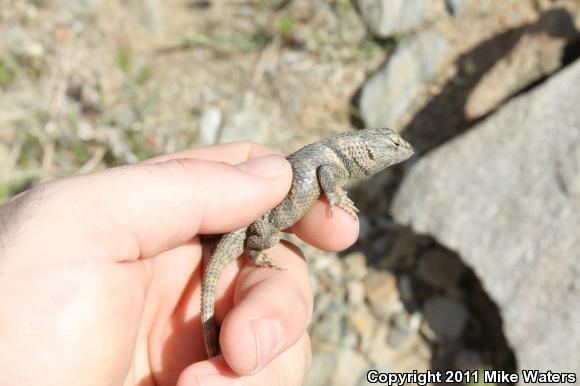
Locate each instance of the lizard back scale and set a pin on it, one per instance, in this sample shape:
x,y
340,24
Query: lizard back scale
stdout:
x,y
321,167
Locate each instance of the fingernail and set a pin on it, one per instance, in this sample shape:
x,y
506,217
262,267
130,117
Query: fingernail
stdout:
x,y
267,166
216,380
269,337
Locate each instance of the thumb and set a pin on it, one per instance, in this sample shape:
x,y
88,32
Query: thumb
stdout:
x,y
142,210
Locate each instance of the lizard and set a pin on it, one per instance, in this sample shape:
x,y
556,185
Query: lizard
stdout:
x,y
321,167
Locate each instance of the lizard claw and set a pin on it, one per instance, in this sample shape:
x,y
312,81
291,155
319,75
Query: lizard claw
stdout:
x,y
261,259
340,199
350,209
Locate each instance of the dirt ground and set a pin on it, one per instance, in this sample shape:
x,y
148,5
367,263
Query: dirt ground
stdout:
x,y
89,84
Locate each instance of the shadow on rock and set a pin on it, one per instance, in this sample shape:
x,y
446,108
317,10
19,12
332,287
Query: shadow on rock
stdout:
x,y
460,321
444,117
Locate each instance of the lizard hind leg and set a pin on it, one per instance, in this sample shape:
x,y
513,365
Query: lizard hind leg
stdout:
x,y
263,235
261,259
340,198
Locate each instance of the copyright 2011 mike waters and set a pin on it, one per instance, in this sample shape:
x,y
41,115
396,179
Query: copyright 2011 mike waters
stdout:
x,y
422,378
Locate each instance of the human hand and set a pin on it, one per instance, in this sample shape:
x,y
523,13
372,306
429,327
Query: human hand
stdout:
x,y
100,275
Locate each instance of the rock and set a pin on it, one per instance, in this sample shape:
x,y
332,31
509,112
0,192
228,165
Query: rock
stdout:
x,y
440,269
150,13
355,293
85,130
428,333
362,321
124,116
322,302
377,349
383,223
364,227
349,368
248,124
329,267
447,317
403,327
406,288
365,382
330,285
536,53
320,372
118,144
456,6
394,90
416,356
350,339
569,170
379,246
498,196
80,7
355,264
389,17
413,355
209,124
404,250
327,332
338,368
21,43
381,288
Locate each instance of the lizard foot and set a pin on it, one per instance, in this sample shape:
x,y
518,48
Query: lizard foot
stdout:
x,y
261,259
340,198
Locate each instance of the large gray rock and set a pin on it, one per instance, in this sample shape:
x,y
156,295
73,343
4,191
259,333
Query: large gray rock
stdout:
x,y
395,89
533,51
389,17
506,197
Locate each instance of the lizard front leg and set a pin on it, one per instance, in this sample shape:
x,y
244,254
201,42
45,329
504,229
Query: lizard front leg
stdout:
x,y
331,178
262,235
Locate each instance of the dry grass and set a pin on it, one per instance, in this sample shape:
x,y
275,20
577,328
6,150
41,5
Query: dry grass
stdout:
x,y
84,88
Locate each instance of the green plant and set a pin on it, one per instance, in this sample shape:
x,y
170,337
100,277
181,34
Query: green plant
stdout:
x,y
7,75
284,26
124,59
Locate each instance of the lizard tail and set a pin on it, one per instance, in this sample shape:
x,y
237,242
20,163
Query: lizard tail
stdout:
x,y
229,247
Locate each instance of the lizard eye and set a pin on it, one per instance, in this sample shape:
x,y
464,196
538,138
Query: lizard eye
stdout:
x,y
370,153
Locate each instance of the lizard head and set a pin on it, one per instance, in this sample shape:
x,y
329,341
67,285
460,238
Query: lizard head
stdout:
x,y
384,148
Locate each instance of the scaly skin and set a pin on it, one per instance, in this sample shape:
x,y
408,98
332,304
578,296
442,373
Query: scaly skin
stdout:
x,y
322,167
